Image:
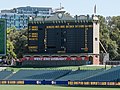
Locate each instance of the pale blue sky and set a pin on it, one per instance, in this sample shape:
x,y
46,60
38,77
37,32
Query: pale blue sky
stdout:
x,y
79,7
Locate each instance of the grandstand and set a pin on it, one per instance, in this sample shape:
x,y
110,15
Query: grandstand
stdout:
x,y
111,75
4,74
38,74
62,76
79,75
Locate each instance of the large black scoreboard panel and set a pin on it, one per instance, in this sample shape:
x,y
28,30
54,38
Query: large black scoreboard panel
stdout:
x,y
41,38
52,41
55,39
67,37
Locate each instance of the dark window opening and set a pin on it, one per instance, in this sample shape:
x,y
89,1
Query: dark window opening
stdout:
x,y
95,39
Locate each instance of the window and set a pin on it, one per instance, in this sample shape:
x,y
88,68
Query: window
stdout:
x,y
95,39
96,56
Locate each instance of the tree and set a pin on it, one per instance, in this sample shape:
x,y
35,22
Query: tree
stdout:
x,y
108,42
115,32
18,39
10,47
20,43
10,50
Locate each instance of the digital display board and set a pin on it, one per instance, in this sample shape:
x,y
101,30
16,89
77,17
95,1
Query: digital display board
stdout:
x,y
2,37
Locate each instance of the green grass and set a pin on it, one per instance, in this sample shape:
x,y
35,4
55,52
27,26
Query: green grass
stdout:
x,y
48,87
61,68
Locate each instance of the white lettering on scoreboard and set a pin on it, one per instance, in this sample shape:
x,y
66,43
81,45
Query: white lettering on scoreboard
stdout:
x,y
52,58
55,58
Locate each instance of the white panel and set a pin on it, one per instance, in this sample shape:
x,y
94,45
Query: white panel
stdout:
x,y
96,35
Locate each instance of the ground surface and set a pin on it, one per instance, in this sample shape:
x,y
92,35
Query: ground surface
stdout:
x,y
48,87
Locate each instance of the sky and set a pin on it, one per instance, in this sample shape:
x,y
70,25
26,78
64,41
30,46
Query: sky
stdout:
x,y
74,7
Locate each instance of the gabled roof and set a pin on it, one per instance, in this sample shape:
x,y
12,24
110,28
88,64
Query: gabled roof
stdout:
x,y
62,16
59,16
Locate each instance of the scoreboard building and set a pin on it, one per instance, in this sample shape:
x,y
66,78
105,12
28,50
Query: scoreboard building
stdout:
x,y
62,35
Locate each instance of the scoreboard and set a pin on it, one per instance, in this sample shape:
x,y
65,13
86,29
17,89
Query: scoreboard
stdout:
x,y
60,37
2,37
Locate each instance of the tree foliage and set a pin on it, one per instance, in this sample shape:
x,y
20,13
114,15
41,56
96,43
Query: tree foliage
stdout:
x,y
18,41
10,50
110,35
